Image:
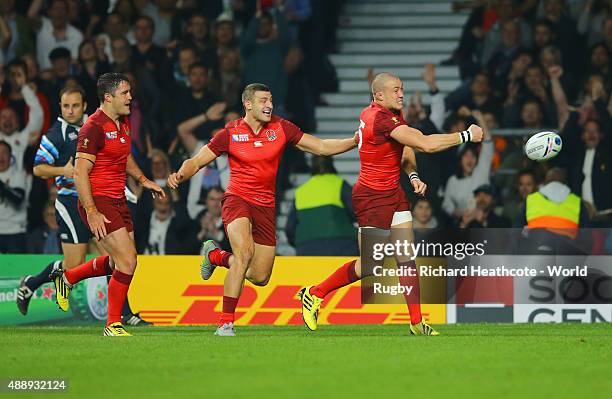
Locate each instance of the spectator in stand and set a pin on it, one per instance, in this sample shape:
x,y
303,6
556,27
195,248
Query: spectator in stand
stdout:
x,y
564,30
500,63
147,54
22,38
166,19
186,57
44,239
53,31
90,67
480,96
483,215
13,95
197,37
320,222
264,45
422,214
543,35
114,28
474,169
13,204
526,184
499,36
198,110
599,63
19,140
225,36
592,19
230,79
165,228
211,223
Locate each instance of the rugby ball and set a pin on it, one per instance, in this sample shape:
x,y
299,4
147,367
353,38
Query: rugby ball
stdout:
x,y
543,146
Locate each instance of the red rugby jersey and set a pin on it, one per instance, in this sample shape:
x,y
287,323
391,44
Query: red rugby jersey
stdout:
x,y
111,145
379,153
254,158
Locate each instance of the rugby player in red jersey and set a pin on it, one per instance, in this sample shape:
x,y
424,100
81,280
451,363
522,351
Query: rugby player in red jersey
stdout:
x,y
386,146
254,145
103,159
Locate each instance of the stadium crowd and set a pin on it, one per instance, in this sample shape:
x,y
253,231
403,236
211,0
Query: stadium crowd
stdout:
x,y
538,65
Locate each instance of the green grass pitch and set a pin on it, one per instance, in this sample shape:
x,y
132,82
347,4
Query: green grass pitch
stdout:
x,y
467,361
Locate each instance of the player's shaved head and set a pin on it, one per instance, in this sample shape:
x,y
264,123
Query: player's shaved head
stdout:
x,y
379,81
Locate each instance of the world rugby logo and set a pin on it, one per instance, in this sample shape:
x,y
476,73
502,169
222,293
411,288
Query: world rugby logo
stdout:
x,y
271,135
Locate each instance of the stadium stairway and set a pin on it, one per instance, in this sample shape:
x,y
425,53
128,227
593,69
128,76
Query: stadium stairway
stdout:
x,y
398,36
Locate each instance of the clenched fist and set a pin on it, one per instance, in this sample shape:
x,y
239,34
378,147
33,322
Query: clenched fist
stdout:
x,y
477,133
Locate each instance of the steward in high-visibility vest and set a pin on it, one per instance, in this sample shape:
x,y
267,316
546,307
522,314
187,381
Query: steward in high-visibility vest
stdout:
x,y
554,207
321,215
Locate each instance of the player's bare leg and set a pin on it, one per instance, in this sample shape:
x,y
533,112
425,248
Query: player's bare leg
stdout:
x,y
120,246
402,231
261,265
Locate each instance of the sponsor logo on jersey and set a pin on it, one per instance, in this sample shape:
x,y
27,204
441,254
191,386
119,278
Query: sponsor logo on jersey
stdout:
x,y
72,136
240,137
111,135
271,135
258,144
64,236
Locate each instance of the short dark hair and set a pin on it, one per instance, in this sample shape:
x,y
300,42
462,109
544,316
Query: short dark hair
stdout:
x,y
2,142
249,91
72,89
322,165
147,18
108,83
59,53
198,65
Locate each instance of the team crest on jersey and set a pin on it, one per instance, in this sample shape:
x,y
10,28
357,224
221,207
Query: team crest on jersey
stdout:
x,y
271,135
240,137
111,135
85,141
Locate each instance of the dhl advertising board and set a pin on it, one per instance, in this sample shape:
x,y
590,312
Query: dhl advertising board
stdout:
x,y
168,290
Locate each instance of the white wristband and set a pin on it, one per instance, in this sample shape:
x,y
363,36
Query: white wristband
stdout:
x,y
466,136
413,176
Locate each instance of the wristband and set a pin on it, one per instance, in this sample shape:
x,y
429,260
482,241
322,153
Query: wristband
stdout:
x,y
90,209
142,179
466,136
413,176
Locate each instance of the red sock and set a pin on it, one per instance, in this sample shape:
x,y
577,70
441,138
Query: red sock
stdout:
x,y
229,308
413,301
117,292
219,257
345,275
99,266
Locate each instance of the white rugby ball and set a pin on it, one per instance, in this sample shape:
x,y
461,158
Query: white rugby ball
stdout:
x,y
543,146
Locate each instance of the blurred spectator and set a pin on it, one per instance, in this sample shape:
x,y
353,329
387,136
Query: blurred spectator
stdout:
x,y
22,38
296,12
422,214
147,54
564,30
90,67
211,224
165,228
473,172
166,20
9,125
525,184
478,97
198,110
507,32
185,59
13,204
230,79
114,28
225,37
13,95
264,45
592,18
53,30
320,222
482,215
44,239
197,37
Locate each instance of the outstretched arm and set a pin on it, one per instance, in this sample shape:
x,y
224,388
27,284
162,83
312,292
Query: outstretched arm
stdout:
x,y
412,137
191,166
317,146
